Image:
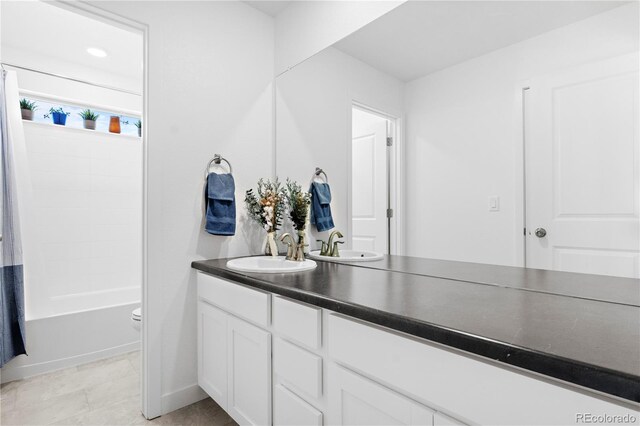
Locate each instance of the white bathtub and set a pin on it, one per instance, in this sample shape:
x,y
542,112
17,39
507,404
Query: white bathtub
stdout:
x,y
71,339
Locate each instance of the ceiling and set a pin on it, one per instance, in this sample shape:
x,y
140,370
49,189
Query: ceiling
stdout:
x,y
420,37
271,8
57,36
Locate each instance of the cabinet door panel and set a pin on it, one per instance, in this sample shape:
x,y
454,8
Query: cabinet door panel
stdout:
x,y
355,400
440,419
212,352
291,410
300,369
249,355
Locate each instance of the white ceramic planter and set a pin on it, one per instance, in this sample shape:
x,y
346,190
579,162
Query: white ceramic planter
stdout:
x,y
27,114
89,124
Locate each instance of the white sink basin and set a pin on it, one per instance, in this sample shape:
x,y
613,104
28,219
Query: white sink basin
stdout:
x,y
269,265
348,256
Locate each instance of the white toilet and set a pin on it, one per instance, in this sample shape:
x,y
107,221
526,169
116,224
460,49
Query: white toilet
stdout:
x,y
136,318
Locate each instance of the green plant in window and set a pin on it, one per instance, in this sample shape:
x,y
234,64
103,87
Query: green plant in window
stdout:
x,y
87,114
58,110
27,104
138,124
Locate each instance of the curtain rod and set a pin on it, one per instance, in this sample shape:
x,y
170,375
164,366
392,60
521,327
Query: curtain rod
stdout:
x,y
73,79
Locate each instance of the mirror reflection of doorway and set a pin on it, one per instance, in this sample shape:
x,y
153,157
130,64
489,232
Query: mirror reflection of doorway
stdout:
x,y
372,139
581,176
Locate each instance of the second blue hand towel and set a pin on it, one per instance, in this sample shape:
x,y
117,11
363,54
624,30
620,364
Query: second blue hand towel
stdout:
x,y
321,206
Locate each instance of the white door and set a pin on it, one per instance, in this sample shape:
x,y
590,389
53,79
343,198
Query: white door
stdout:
x,y
369,223
582,169
355,400
249,373
212,352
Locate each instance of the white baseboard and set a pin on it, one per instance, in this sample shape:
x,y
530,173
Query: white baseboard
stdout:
x,y
182,397
10,373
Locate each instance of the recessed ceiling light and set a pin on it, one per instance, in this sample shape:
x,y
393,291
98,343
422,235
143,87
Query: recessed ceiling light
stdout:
x,y
97,52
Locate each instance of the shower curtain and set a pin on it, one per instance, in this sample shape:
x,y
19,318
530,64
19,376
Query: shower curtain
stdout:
x,y
12,329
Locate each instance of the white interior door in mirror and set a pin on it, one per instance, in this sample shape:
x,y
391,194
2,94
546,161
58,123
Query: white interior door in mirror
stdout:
x,y
582,169
369,182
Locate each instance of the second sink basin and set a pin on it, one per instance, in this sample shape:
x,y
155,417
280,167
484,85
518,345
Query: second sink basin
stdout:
x,y
269,265
348,256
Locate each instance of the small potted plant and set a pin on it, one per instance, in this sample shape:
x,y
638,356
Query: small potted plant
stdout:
x,y
58,115
26,108
89,118
138,124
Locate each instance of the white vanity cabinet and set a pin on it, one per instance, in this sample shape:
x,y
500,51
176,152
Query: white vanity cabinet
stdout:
x,y
234,356
267,359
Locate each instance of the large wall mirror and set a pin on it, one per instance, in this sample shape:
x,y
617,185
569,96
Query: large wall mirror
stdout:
x,y
501,133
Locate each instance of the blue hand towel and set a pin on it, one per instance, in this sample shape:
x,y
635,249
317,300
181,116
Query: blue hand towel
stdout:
x,y
221,204
321,206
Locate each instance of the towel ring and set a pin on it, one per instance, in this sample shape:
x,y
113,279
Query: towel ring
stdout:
x,y
319,172
217,158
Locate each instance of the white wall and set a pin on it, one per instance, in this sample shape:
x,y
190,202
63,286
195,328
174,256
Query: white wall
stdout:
x,y
463,131
210,74
58,66
304,28
313,121
61,89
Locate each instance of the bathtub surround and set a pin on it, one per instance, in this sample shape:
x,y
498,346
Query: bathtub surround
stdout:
x,y
12,328
79,302
63,341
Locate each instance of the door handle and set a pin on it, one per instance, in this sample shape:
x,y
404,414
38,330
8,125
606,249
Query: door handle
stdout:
x,y
541,232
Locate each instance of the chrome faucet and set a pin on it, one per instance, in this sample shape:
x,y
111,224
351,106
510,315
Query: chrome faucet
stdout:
x,y
332,247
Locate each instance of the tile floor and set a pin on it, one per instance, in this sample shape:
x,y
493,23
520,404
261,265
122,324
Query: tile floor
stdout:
x,y
105,392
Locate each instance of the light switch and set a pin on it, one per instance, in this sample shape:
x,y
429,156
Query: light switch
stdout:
x,y
494,204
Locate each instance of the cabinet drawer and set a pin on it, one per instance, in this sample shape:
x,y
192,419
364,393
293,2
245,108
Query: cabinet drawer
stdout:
x,y
298,321
357,401
244,302
476,391
289,409
297,367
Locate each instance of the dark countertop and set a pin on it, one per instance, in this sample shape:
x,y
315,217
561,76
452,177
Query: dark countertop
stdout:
x,y
512,317
587,286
